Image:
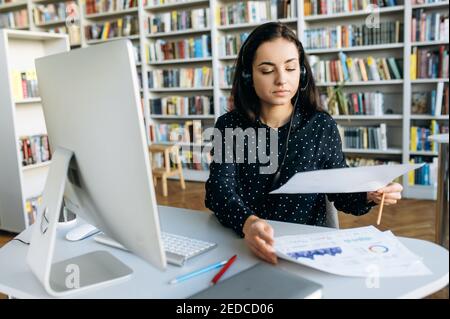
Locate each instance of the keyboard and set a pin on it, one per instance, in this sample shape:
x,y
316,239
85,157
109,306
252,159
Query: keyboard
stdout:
x,y
179,249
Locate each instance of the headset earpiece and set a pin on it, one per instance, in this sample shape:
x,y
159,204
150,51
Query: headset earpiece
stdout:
x,y
303,77
247,78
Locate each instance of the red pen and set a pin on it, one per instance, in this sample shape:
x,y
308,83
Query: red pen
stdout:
x,y
222,271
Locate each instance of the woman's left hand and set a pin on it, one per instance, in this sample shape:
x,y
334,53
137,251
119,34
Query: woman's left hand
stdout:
x,y
392,194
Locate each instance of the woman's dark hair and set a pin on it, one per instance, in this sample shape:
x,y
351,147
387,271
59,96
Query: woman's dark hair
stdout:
x,y
243,93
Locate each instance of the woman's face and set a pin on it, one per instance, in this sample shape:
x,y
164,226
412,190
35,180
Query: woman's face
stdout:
x,y
276,72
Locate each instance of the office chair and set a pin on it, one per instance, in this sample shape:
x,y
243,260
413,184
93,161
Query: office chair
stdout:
x,y
332,214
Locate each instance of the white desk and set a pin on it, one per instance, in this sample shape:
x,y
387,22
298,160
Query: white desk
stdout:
x,y
147,282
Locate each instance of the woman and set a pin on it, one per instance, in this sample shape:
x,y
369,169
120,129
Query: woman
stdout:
x,y
273,89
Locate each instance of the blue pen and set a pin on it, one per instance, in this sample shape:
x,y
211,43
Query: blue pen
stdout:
x,y
198,272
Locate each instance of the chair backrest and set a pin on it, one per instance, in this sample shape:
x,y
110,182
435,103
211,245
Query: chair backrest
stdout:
x,y
332,215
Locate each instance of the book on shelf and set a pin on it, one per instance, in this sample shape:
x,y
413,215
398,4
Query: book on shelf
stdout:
x,y
31,208
187,132
190,159
180,78
429,26
121,27
353,35
433,103
226,104
255,11
14,19
366,137
427,174
2,2
429,63
137,53
34,149
24,84
106,6
229,44
355,161
414,2
43,13
364,161
319,7
359,103
182,105
226,75
190,48
178,20
419,136
350,69
73,31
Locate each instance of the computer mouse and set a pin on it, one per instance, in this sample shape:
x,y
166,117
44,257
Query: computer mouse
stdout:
x,y
81,232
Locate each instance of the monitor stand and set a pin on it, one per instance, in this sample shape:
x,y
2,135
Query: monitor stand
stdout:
x,y
77,274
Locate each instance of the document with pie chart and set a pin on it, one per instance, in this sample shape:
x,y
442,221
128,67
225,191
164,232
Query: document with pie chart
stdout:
x,y
356,252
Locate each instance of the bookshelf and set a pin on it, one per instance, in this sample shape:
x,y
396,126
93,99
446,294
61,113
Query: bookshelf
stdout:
x,y
400,120
22,119
41,15
228,27
424,37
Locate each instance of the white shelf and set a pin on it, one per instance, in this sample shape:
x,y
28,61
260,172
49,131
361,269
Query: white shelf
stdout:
x,y
179,61
429,117
175,5
422,81
362,83
371,151
368,117
175,117
18,51
228,57
356,48
208,88
131,37
175,33
229,87
183,144
14,5
111,14
21,28
29,100
423,153
430,5
194,175
420,192
428,43
238,26
51,23
322,17
35,166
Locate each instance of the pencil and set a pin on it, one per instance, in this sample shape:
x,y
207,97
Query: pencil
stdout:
x,y
222,271
380,210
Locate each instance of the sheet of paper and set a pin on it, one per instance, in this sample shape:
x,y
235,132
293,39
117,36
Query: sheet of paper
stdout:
x,y
359,252
345,180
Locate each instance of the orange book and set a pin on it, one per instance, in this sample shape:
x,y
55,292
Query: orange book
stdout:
x,y
362,67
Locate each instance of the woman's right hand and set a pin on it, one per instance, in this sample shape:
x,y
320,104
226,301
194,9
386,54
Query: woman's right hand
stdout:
x,y
259,238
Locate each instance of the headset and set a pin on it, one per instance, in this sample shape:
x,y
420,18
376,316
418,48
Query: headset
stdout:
x,y
304,81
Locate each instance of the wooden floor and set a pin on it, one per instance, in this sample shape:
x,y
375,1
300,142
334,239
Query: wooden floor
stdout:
x,y
409,218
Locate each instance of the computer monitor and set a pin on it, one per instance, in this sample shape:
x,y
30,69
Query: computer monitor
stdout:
x,y
93,115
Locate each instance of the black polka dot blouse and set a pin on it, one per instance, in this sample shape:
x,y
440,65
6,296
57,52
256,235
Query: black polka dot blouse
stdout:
x,y
237,189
